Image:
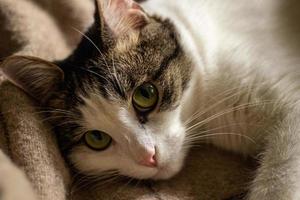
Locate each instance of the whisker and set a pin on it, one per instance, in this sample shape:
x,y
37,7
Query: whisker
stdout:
x,y
199,114
116,76
199,143
95,73
191,133
92,181
224,112
194,139
121,188
240,91
91,41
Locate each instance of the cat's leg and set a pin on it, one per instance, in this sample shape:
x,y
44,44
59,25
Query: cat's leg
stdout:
x,y
278,177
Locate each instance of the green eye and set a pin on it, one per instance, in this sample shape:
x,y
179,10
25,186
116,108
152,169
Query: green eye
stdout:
x,y
145,97
97,140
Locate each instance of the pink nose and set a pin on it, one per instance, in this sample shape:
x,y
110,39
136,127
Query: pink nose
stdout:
x,y
149,160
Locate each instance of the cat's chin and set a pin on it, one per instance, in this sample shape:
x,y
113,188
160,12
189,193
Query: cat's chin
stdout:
x,y
164,174
157,174
167,172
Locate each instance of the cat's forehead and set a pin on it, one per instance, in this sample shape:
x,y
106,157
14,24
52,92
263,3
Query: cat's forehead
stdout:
x,y
159,34
155,41
148,53
154,55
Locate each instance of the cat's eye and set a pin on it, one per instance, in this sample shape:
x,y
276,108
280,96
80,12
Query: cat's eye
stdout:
x,y
145,97
97,140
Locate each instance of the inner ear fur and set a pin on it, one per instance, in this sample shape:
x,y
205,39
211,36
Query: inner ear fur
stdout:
x,y
35,76
123,16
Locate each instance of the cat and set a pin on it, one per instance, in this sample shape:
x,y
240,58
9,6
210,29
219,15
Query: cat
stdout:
x,y
148,82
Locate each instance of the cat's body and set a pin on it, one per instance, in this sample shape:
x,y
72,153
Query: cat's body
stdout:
x,y
249,70
138,91
242,56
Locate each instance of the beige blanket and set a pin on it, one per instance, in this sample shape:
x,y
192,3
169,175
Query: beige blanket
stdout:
x,y
31,166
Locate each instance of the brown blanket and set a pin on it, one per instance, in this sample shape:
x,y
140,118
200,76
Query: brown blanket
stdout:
x,y
31,166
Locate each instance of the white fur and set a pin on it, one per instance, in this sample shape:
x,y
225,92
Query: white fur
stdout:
x,y
246,55
164,131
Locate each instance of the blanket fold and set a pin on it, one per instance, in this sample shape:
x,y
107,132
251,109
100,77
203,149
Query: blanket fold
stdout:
x,y
32,145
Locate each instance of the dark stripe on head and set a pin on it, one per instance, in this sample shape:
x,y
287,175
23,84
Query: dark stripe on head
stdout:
x,y
166,61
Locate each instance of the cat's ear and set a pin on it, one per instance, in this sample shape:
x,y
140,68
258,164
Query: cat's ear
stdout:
x,y
123,16
113,20
35,76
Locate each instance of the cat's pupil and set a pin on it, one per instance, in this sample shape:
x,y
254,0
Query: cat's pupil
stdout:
x,y
145,93
97,136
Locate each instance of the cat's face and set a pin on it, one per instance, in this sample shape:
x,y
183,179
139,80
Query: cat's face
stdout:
x,y
120,109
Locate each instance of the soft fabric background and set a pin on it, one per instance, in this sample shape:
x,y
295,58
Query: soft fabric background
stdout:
x,y
31,166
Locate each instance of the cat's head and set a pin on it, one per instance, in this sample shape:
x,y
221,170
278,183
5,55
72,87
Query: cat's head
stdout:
x,y
116,101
